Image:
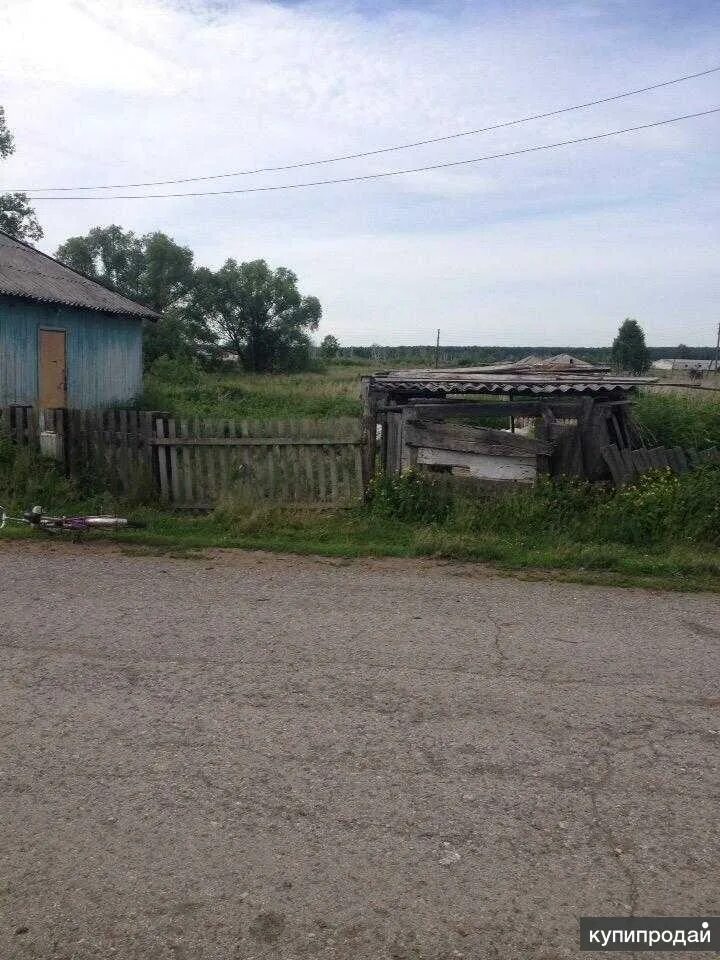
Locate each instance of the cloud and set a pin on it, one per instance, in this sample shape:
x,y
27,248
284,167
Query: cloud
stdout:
x,y
83,46
124,91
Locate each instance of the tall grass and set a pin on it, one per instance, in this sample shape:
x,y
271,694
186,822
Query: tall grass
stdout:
x,y
26,478
669,420
186,390
660,509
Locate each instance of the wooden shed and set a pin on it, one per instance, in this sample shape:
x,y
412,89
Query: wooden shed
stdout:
x,y
65,340
500,423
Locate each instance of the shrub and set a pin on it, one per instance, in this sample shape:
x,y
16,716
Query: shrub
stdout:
x,y
184,372
26,478
410,497
662,507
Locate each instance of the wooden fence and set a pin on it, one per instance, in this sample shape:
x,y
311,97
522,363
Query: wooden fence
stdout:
x,y
626,465
193,463
20,424
200,461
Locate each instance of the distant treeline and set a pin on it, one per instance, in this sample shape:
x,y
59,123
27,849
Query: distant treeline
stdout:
x,y
479,355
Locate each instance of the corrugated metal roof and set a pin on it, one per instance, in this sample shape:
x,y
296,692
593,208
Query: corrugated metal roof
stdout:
x,y
29,273
535,376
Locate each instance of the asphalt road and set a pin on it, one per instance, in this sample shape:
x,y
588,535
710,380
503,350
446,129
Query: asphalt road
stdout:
x,y
247,756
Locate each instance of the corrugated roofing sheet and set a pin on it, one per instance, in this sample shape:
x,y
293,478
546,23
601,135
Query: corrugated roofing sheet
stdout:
x,y
29,273
555,375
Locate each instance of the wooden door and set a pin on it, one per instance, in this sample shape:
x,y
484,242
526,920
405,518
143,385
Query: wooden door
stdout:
x,y
52,369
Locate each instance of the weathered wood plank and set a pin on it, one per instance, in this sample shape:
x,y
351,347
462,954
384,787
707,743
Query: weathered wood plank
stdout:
x,y
609,455
208,429
467,439
187,466
163,462
254,441
427,410
174,473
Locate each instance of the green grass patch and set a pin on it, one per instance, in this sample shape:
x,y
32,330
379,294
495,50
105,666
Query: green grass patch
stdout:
x,y
661,533
185,390
668,420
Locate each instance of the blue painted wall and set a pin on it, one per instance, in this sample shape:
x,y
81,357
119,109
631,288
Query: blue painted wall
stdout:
x,y
104,353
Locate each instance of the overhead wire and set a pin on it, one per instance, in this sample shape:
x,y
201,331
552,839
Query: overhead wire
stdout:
x,y
385,173
381,150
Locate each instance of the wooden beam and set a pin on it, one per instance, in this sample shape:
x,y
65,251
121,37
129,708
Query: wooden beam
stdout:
x,y
253,442
519,408
441,435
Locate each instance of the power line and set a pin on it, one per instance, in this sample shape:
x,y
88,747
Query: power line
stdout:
x,y
373,153
385,173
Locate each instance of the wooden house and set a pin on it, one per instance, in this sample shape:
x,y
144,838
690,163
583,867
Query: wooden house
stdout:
x,y
65,340
501,423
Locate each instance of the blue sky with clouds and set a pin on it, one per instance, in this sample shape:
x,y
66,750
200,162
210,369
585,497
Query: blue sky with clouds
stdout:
x,y
554,247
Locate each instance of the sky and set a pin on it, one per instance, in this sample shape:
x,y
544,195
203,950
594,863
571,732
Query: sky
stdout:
x,y
555,247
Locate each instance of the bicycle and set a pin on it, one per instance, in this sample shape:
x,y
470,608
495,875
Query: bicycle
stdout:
x,y
75,525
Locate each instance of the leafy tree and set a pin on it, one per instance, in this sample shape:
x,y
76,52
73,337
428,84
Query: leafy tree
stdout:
x,y
259,313
17,217
329,347
629,351
152,269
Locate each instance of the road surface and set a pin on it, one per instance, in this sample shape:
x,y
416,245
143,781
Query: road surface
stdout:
x,y
247,756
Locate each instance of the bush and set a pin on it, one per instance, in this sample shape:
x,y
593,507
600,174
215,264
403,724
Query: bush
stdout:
x,y
185,372
662,507
26,478
412,497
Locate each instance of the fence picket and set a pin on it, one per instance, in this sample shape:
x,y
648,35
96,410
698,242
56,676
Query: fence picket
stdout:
x,y
285,461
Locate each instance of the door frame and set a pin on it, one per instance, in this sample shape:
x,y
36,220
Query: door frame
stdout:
x,y
47,328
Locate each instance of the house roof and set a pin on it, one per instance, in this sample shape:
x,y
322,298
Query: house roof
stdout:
x,y
29,273
557,375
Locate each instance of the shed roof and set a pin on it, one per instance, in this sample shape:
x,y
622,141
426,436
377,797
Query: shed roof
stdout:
x,y
557,375
29,273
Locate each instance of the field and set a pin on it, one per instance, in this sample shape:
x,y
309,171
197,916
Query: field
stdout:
x,y
187,391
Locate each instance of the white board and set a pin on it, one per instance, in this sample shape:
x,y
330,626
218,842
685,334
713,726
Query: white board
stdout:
x,y
481,465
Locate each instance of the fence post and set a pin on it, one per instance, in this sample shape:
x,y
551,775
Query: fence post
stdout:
x,y
162,461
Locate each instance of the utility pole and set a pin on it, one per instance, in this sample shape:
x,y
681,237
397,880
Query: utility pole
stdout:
x,y
437,347
717,349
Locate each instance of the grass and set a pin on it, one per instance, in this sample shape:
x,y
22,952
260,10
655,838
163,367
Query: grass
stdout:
x,y
188,391
672,420
352,533
661,533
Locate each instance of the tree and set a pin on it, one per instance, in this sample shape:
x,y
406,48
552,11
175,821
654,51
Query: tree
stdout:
x,y
629,351
152,269
329,347
17,217
259,313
